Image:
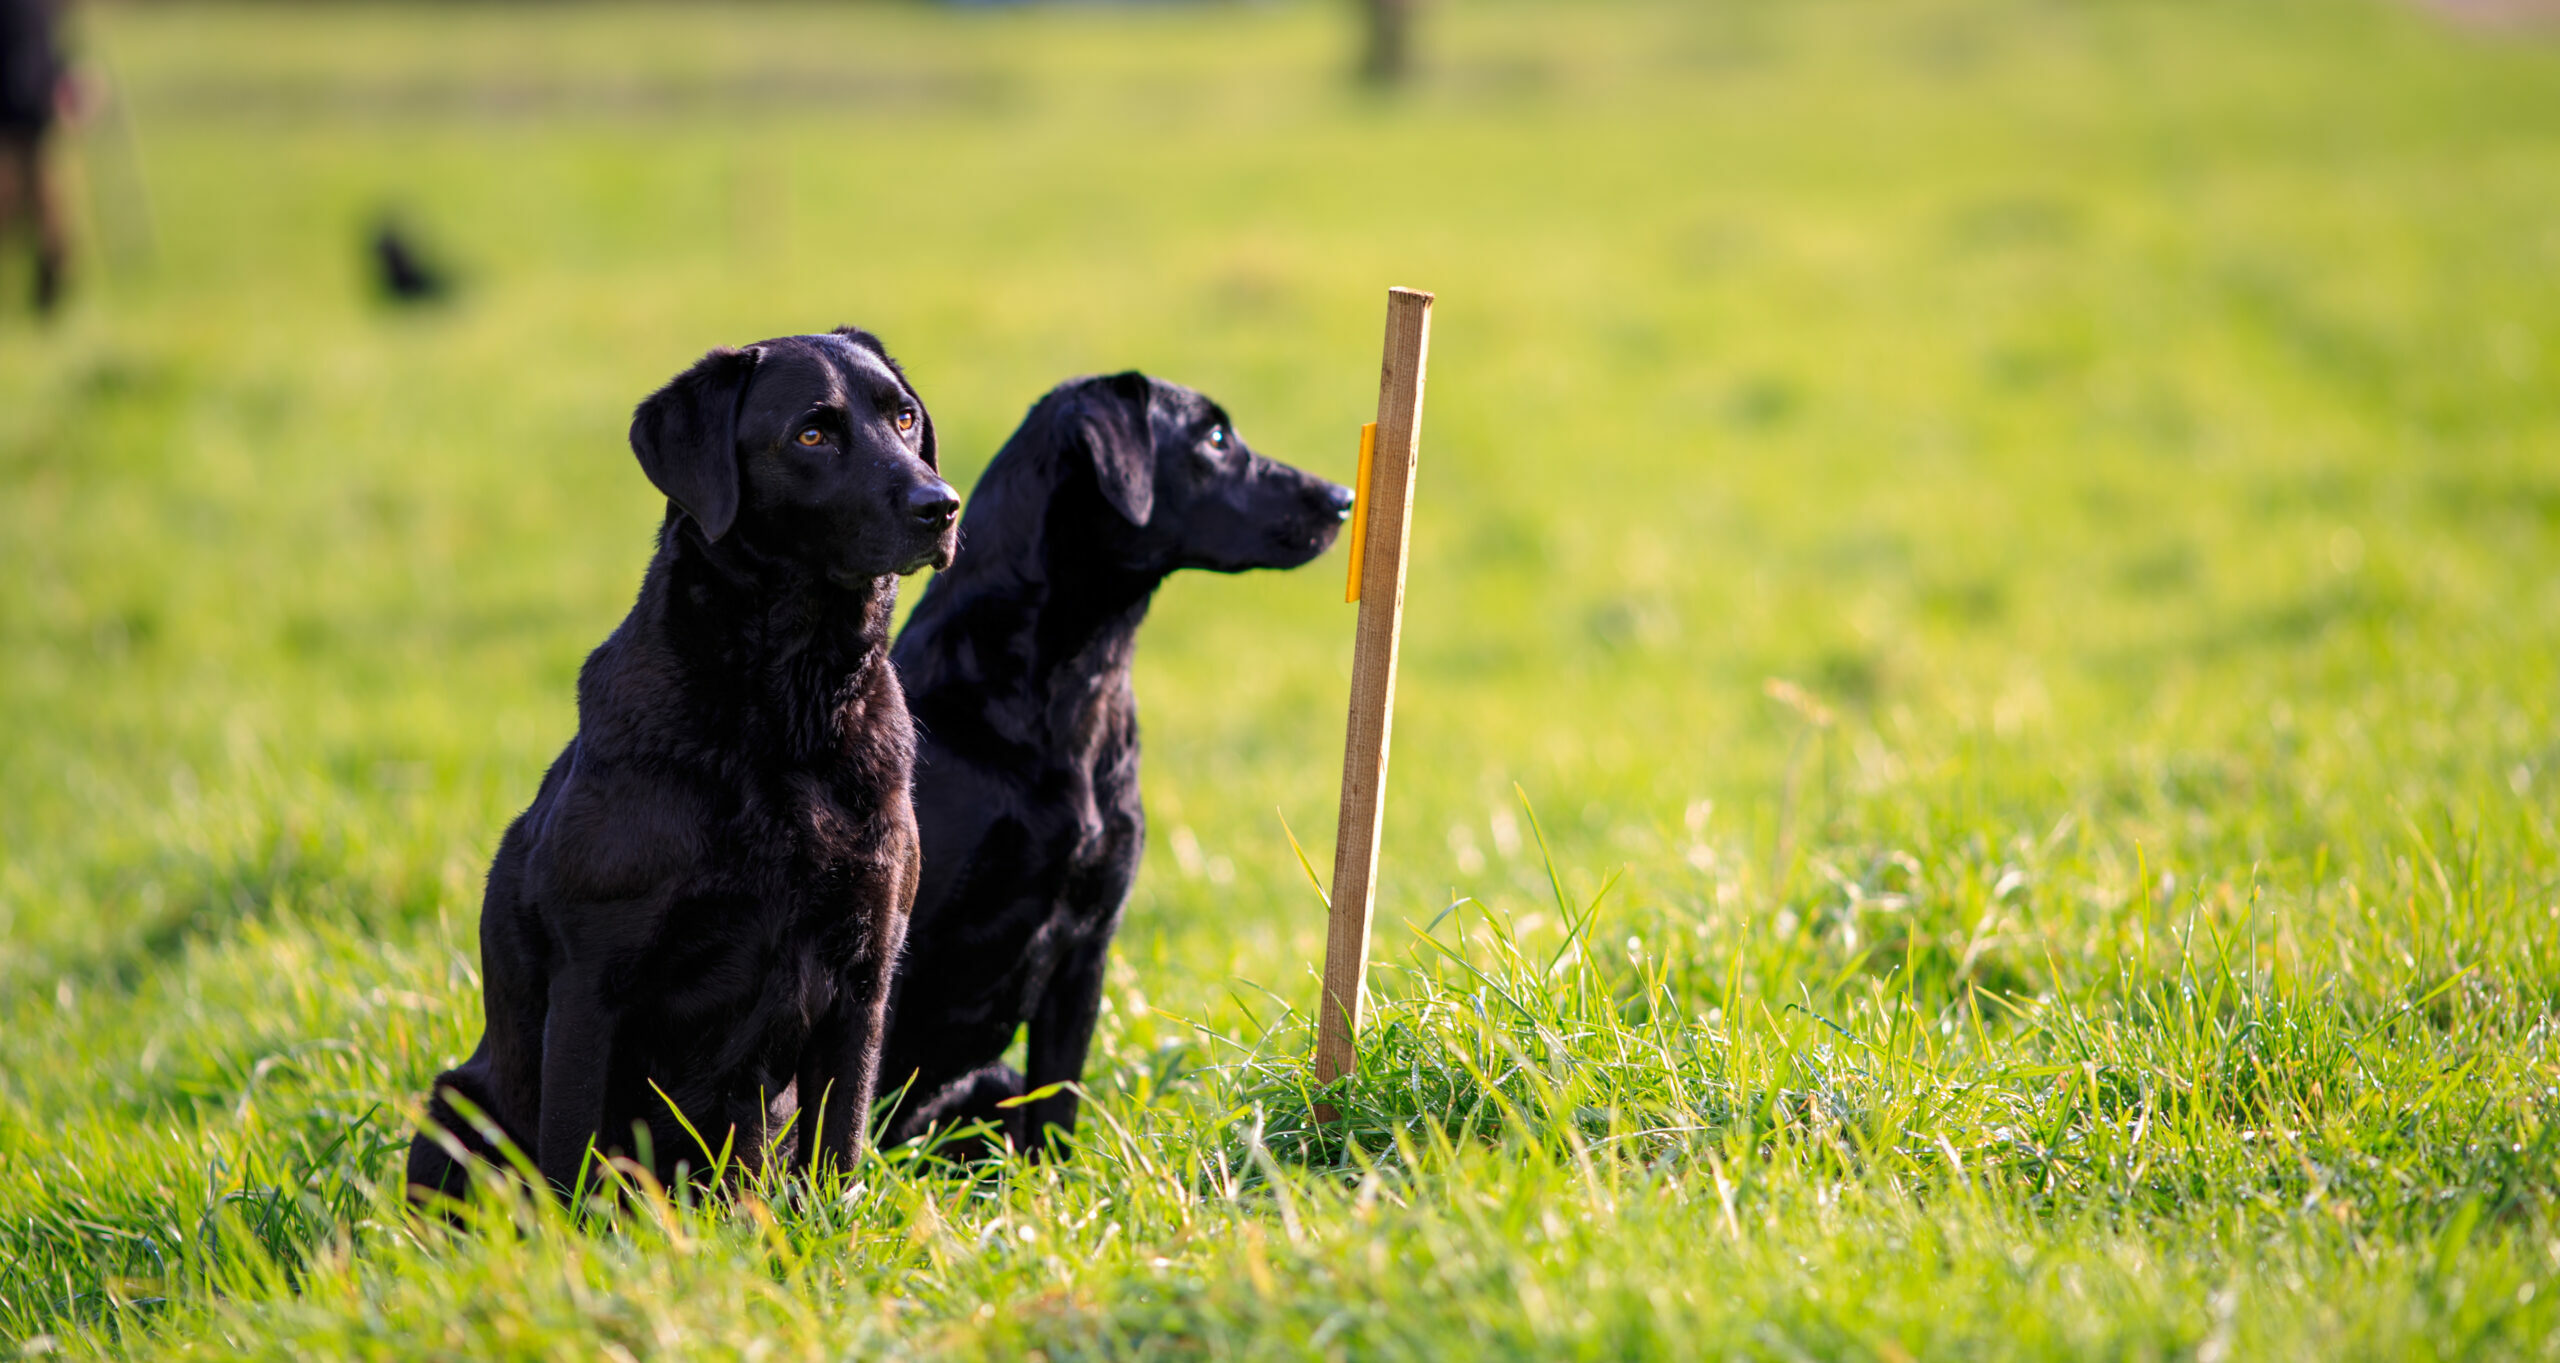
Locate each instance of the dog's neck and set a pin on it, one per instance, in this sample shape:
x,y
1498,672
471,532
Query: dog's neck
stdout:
x,y
1031,574
767,644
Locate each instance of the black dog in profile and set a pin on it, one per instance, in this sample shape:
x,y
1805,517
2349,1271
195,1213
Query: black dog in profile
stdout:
x,y
703,905
1016,663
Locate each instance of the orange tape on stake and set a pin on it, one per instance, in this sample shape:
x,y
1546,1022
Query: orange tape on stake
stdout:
x,y
1360,508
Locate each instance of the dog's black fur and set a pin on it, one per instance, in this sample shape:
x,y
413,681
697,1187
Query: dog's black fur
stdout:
x,y
707,897
1016,662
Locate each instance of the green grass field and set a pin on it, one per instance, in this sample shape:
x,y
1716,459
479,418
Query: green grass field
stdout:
x,y
2129,432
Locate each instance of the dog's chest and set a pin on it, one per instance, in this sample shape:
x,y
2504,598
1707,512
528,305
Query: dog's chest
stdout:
x,y
834,827
795,905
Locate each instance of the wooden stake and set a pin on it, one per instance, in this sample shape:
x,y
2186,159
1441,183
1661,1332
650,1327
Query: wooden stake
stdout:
x,y
1384,515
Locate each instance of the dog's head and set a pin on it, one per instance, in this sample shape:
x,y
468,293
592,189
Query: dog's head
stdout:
x,y
814,449
1186,490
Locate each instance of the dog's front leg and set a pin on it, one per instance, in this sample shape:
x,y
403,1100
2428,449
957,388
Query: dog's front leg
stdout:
x,y
839,1068
577,1047
1061,1033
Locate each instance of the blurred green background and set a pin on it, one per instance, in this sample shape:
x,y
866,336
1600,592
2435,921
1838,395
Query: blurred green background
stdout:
x,y
2132,430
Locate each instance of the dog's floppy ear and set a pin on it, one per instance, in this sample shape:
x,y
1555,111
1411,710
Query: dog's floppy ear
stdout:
x,y
1111,418
686,435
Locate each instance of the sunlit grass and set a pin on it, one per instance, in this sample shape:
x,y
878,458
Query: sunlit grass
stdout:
x,y
2013,550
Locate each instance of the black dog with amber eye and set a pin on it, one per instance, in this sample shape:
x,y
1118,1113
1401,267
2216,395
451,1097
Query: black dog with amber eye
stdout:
x,y
1017,665
695,922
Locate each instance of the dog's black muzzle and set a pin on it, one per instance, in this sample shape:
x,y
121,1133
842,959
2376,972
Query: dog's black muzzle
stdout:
x,y
932,513
1322,509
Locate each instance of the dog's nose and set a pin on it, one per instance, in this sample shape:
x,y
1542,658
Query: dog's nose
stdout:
x,y
933,504
1339,498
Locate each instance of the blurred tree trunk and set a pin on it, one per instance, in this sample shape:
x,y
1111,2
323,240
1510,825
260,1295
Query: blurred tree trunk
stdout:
x,y
1388,57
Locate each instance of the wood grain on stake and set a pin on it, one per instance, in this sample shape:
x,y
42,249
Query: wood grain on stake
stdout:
x,y
1386,506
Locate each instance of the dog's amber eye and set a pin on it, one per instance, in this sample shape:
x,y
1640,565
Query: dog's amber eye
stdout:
x,y
906,420
1217,437
813,437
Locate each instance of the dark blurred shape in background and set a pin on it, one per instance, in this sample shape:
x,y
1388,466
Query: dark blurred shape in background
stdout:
x,y
1387,56
404,271
34,88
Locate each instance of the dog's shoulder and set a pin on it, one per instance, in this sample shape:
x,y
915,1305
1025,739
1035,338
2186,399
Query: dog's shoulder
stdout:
x,y
613,830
